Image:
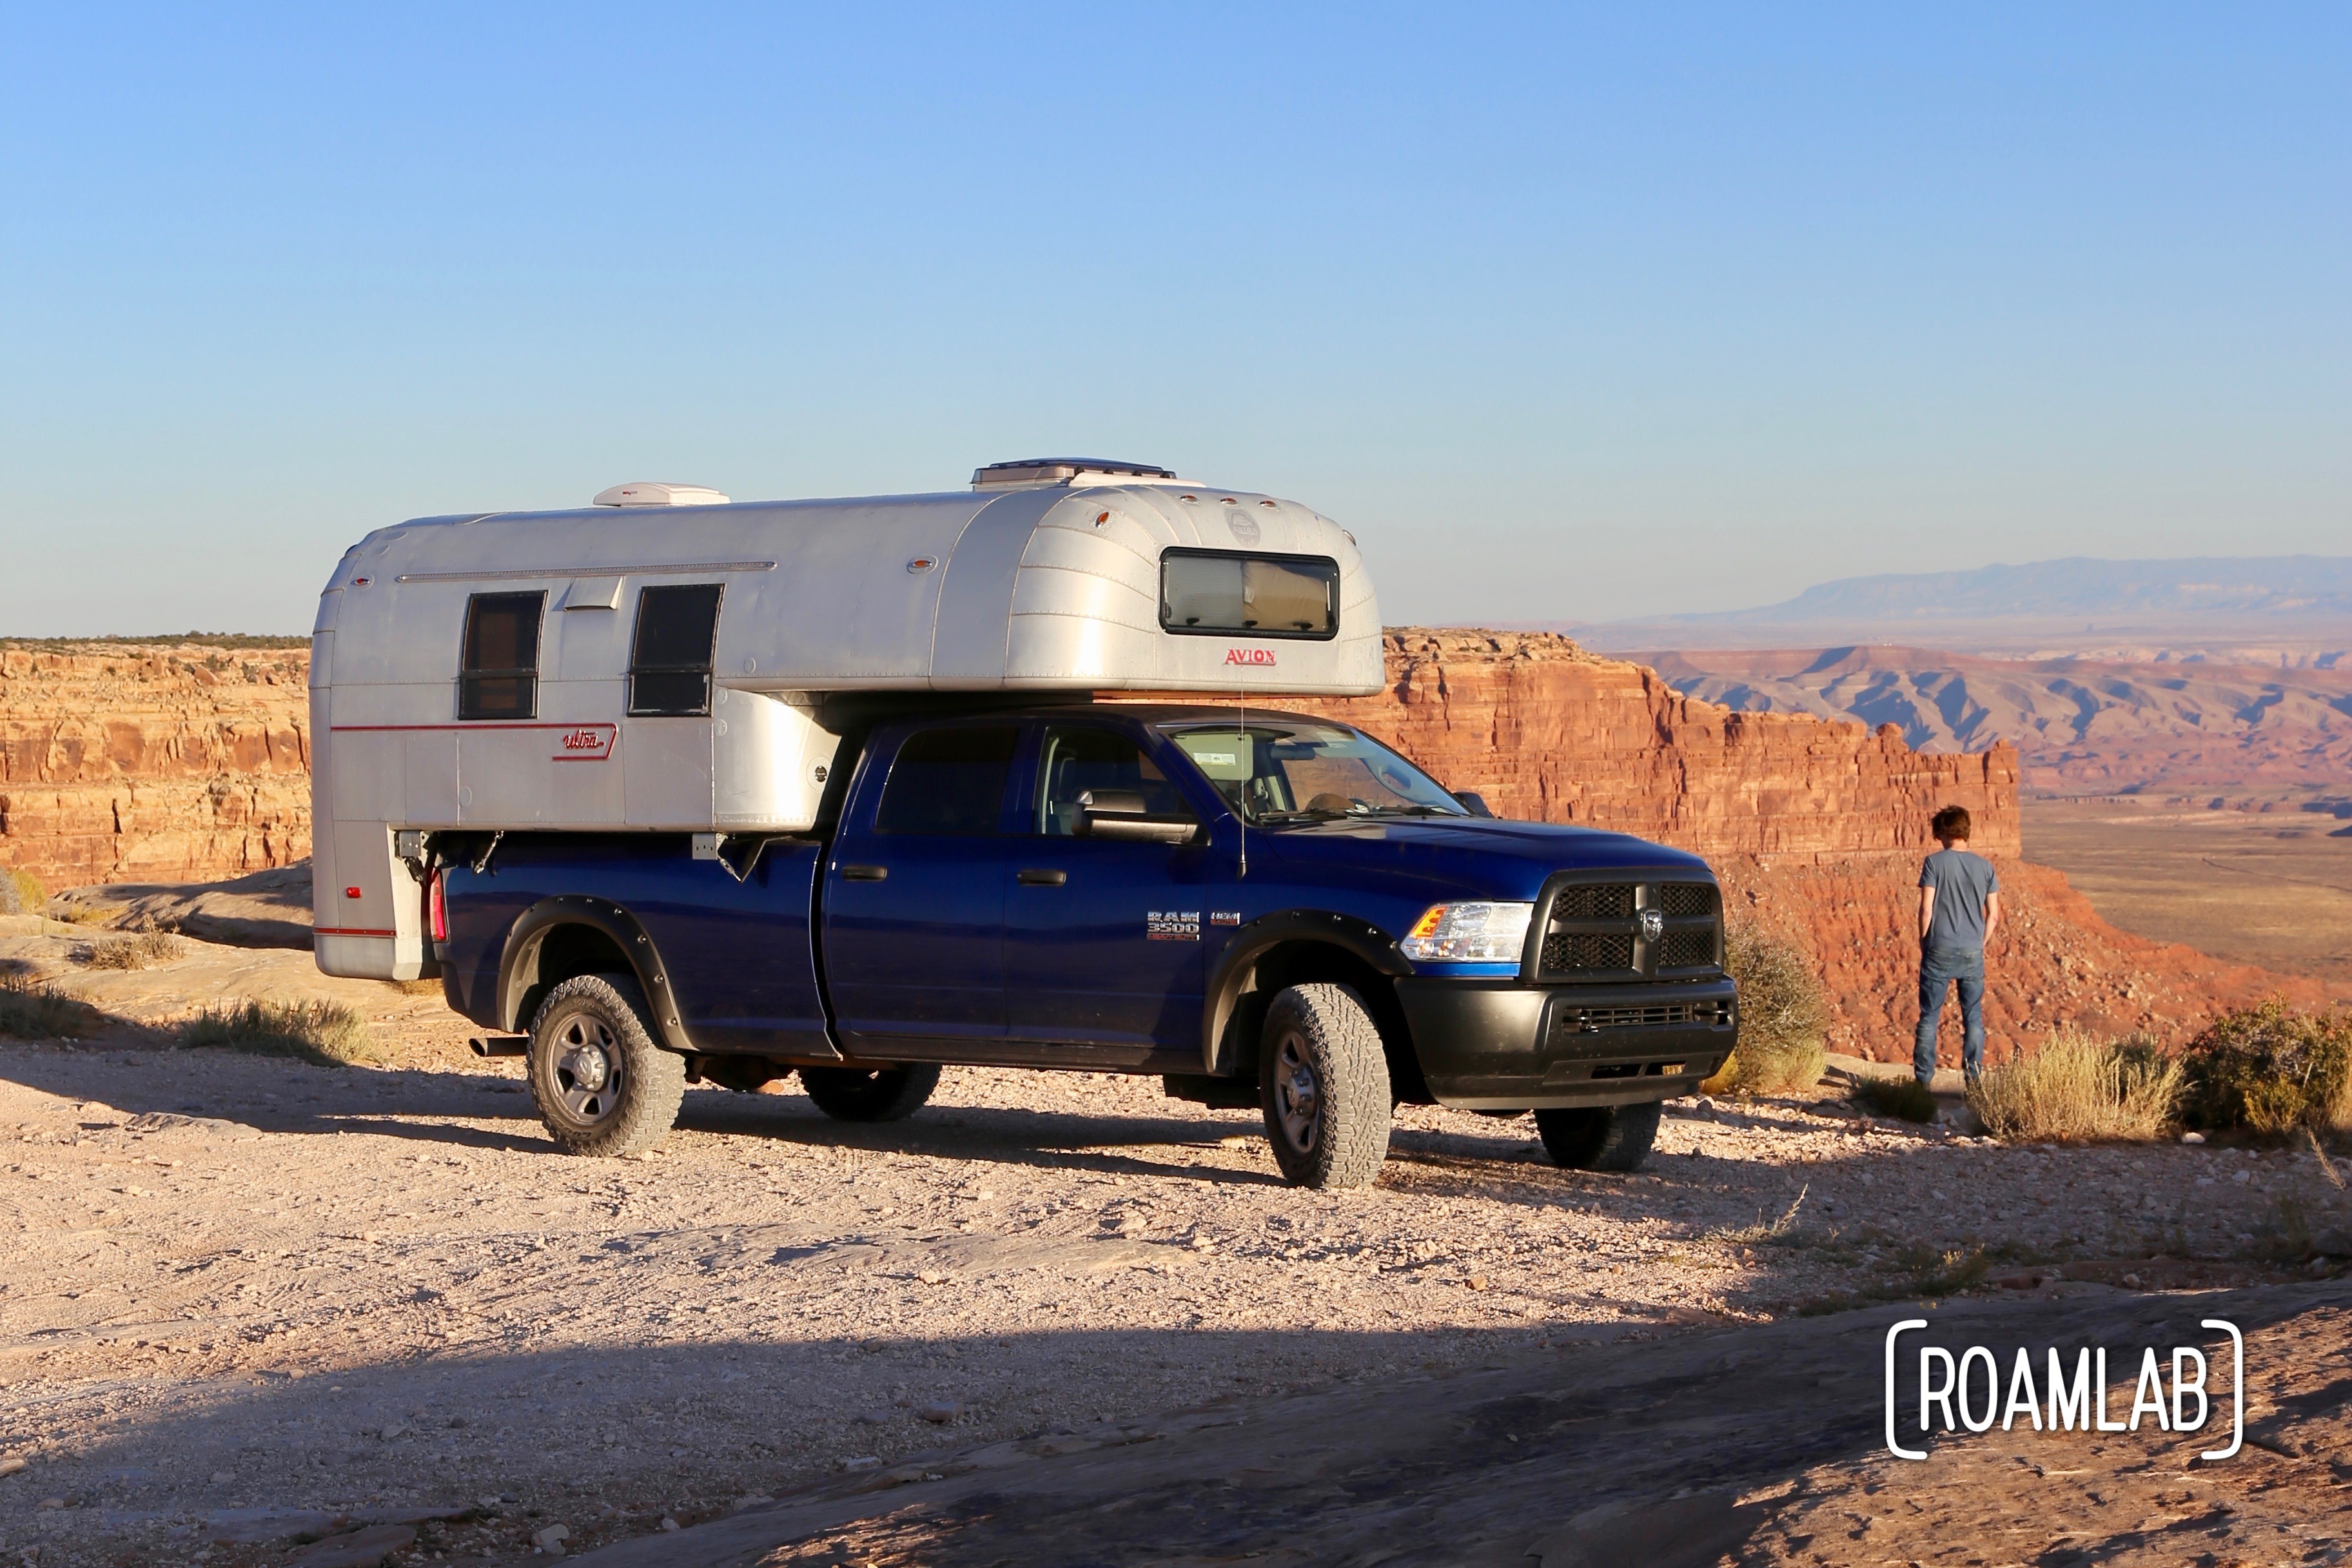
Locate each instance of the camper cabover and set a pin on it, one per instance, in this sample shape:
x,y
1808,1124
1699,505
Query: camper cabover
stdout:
x,y
672,789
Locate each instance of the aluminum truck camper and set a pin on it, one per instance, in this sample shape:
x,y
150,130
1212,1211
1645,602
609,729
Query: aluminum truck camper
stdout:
x,y
670,789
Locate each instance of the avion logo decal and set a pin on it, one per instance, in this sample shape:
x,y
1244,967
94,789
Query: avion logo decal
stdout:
x,y
585,743
1249,656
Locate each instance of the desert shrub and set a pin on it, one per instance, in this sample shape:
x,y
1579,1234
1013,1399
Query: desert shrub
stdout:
x,y
1903,1098
32,1011
1782,1017
2271,1068
2079,1087
21,893
139,951
327,1033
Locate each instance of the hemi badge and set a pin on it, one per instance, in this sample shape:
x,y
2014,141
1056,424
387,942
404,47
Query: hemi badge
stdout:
x,y
1225,917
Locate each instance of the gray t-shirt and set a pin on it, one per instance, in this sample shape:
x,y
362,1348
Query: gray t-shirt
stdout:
x,y
1962,882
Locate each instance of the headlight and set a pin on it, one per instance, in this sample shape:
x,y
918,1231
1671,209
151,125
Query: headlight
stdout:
x,y
1469,933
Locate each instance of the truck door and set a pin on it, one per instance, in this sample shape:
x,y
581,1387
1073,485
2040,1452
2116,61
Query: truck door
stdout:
x,y
914,890
1103,936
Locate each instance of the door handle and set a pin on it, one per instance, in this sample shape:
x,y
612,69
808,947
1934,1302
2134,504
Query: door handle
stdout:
x,y
865,873
1041,878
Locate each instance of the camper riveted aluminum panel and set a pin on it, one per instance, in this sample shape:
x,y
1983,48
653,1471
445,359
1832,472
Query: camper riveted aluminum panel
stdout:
x,y
1045,587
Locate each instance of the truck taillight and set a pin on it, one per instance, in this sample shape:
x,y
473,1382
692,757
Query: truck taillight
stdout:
x,y
437,909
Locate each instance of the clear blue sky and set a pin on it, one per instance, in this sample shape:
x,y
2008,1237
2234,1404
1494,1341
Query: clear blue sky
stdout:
x,y
1568,313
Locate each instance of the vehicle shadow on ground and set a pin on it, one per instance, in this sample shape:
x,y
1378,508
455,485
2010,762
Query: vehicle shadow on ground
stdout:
x,y
303,1098
1541,1451
1110,1144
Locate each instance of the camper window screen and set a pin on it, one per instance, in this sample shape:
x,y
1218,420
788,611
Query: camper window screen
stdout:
x,y
1227,592
669,662
949,782
499,675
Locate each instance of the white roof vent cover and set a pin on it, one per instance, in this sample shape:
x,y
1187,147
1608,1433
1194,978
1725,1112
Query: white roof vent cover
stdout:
x,y
643,493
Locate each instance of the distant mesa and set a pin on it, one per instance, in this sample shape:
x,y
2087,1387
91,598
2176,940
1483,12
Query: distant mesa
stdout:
x,y
2080,726
2294,610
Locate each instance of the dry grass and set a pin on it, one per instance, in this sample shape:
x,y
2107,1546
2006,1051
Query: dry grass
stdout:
x,y
141,952
2078,1087
325,1033
30,1010
415,988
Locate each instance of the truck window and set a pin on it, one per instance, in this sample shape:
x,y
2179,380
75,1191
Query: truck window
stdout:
x,y
1077,761
1287,771
949,782
497,675
670,661
1226,592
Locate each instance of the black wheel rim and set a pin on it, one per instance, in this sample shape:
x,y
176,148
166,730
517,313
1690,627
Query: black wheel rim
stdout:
x,y
1297,1093
588,1072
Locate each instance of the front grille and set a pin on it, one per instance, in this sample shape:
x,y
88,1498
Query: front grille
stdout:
x,y
1567,950
1594,931
1594,902
1681,901
1655,1016
1692,948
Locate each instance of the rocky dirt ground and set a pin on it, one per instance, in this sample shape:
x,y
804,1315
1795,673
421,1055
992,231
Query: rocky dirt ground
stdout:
x,y
250,1302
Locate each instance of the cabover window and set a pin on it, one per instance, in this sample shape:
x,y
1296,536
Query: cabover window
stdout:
x,y
669,662
499,676
949,782
1224,593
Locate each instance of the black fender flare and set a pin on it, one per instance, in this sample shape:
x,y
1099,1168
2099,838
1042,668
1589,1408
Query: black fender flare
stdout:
x,y
1221,993
519,964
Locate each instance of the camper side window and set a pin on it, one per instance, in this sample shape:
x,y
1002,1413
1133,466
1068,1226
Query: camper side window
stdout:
x,y
1229,593
669,662
499,675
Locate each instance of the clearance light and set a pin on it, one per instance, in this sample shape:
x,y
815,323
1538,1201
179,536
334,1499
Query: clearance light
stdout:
x,y
1468,933
437,908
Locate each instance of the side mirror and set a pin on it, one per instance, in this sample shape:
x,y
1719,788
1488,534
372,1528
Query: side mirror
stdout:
x,y
1118,814
1475,803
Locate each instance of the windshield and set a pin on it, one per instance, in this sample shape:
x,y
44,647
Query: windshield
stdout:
x,y
1285,771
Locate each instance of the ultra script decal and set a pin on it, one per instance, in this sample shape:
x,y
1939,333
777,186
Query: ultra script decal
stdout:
x,y
585,743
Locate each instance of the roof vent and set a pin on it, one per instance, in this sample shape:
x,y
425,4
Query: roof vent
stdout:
x,y
646,494
1068,471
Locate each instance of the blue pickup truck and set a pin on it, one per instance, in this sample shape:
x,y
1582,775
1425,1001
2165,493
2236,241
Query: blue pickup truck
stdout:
x,y
1263,908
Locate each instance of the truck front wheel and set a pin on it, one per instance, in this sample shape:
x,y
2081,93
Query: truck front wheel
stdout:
x,y
1324,1081
602,1087
1599,1137
870,1094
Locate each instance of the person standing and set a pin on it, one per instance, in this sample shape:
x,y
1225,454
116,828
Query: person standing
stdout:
x,y
1960,909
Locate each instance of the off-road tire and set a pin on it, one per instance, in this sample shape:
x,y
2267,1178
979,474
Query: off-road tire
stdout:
x,y
1599,1137
633,1102
1323,1084
870,1094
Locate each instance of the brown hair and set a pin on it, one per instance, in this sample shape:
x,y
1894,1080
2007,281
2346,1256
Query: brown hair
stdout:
x,y
1952,823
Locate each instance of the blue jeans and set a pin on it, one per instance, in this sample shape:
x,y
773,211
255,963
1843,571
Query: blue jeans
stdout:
x,y
1939,967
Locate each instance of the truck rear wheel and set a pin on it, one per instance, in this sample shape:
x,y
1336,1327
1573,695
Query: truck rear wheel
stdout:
x,y
1599,1137
870,1094
1324,1082
602,1087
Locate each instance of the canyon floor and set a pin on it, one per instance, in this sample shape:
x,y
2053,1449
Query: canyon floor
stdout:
x,y
2268,888
1059,1318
